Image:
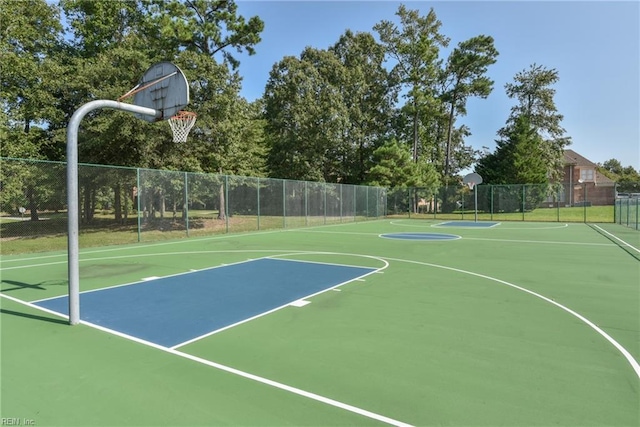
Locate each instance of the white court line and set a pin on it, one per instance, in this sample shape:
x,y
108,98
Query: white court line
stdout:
x,y
541,241
634,364
617,238
140,245
479,238
398,222
143,255
477,227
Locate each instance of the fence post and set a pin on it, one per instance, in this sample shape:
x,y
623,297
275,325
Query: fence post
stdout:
x,y
524,195
258,197
584,202
558,204
226,201
306,203
367,204
284,203
139,192
324,186
185,208
491,202
340,202
615,202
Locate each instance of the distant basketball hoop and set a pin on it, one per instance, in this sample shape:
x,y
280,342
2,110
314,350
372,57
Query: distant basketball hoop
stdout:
x,y
181,124
472,180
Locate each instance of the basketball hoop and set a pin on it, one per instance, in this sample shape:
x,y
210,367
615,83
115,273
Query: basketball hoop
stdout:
x,y
471,185
181,124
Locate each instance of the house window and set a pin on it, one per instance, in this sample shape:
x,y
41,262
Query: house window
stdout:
x,y
586,175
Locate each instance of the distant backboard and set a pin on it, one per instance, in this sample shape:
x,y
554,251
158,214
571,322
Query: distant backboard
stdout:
x,y
163,87
472,179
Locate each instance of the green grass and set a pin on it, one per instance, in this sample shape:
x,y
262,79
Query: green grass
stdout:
x,y
439,337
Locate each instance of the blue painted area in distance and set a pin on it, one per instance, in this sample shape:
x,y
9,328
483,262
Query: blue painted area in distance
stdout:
x,y
420,236
172,310
472,224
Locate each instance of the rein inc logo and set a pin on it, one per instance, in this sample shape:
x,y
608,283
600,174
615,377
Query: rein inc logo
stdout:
x,y
17,421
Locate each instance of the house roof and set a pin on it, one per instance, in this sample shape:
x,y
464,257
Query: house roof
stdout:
x,y
603,179
573,158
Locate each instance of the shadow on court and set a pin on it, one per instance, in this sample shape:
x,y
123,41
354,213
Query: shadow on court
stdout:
x,y
34,316
22,285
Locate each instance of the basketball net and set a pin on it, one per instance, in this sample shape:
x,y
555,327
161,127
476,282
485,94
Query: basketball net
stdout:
x,y
181,124
471,185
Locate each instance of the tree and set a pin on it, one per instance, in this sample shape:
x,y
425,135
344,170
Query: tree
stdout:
x,y
414,48
533,90
306,117
627,178
29,36
518,158
465,76
369,94
211,28
612,168
394,168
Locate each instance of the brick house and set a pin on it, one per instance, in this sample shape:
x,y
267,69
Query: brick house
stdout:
x,y
580,177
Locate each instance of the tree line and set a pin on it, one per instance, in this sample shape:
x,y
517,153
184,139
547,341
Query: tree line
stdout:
x,y
340,114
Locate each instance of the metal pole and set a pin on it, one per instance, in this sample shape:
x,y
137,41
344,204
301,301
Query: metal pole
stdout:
x,y
475,200
226,201
72,193
584,203
258,197
284,204
524,195
186,202
138,204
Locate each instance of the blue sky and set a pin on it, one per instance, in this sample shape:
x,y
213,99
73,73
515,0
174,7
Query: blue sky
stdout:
x,y
594,46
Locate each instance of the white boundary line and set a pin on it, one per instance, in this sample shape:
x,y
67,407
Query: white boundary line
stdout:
x,y
141,245
617,238
398,222
396,236
550,242
477,227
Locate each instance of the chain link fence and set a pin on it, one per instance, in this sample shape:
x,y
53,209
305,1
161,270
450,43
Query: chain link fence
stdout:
x,y
627,211
583,202
127,205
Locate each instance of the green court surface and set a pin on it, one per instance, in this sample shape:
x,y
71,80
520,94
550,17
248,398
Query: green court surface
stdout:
x,y
521,324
